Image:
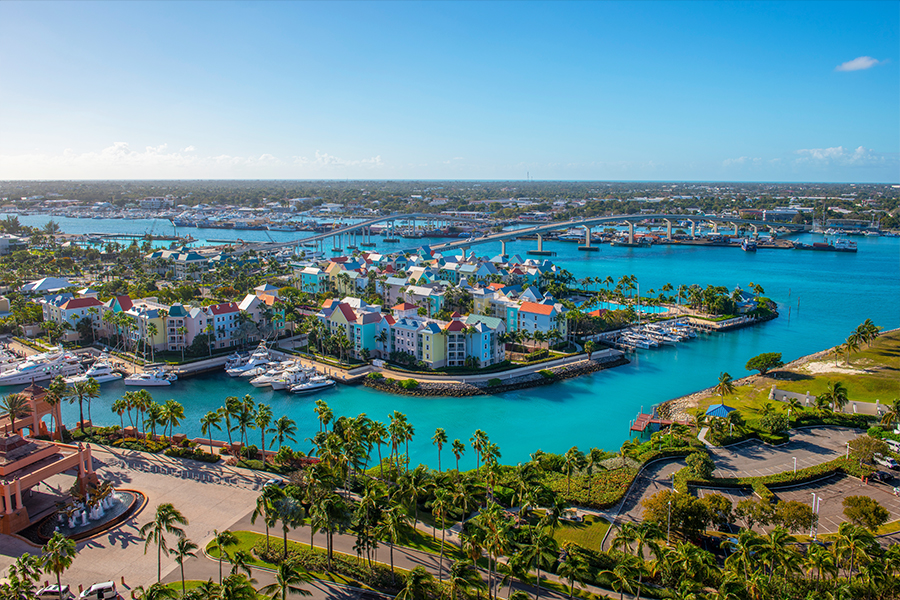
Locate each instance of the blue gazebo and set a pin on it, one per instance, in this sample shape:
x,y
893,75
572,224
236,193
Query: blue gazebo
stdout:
x,y
719,410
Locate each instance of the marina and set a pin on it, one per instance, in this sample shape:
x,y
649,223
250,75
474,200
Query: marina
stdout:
x,y
820,279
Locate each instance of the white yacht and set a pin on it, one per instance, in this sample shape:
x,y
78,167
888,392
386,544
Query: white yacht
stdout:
x,y
315,384
41,367
291,377
153,378
101,371
260,357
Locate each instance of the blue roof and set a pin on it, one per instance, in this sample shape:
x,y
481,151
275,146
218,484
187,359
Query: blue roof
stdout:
x,y
718,410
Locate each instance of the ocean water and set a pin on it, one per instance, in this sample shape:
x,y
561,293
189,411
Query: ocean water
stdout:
x,y
822,296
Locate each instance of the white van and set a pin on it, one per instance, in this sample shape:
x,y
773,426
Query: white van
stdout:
x,y
893,445
52,592
100,591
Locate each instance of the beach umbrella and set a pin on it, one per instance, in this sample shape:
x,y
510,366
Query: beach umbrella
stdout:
x,y
718,410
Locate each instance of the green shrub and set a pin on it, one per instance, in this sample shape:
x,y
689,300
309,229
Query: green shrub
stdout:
x,y
547,374
876,432
409,384
494,382
194,454
377,376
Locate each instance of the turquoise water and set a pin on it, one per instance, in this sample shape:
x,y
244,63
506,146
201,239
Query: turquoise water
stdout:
x,y
822,296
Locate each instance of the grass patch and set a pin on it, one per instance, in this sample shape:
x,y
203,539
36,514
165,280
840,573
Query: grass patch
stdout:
x,y
587,534
248,539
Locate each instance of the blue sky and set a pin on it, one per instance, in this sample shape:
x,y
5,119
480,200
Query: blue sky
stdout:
x,y
781,91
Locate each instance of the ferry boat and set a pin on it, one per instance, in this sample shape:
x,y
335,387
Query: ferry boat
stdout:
x,y
101,372
748,245
843,245
41,367
315,384
155,378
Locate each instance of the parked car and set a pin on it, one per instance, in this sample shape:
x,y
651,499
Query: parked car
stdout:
x,y
100,591
275,482
52,592
886,461
883,476
894,445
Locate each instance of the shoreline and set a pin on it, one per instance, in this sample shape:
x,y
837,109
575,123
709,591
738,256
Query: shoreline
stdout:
x,y
676,408
483,388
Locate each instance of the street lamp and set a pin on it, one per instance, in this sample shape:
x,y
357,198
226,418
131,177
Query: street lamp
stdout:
x,y
795,464
813,507
669,522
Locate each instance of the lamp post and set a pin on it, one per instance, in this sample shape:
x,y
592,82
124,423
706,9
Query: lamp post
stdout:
x,y
813,507
795,464
669,523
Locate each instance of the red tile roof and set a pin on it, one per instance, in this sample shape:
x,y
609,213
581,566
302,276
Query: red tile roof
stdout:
x,y
404,306
329,302
534,307
597,313
224,308
390,320
347,311
81,303
455,326
496,286
125,302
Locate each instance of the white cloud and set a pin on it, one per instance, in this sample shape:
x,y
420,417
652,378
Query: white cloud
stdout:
x,y
157,162
742,160
839,156
860,63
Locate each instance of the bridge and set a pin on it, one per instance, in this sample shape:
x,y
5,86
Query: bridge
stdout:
x,y
362,231
629,220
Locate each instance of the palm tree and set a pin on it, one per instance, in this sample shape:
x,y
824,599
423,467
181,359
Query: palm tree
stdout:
x,y
892,414
478,440
835,394
16,407
725,386
88,389
223,539
231,409
439,439
622,575
267,505
208,422
183,550
440,506
462,577
458,450
152,330
164,521
853,543
391,528
57,556
574,568
172,413
378,434
263,420
57,391
539,552
821,561
287,579
285,429
323,413
182,331
291,514
852,345
574,461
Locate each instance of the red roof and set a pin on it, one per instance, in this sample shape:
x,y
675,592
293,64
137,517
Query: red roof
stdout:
x,y
534,307
329,302
496,286
597,313
81,303
455,315
391,320
224,308
455,326
124,302
404,306
347,311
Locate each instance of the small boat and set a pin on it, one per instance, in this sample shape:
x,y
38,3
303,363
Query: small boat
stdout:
x,y
748,245
101,372
315,384
153,378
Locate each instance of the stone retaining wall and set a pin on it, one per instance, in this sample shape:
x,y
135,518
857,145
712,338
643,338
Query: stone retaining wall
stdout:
x,y
458,389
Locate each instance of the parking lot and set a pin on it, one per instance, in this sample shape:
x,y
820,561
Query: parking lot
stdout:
x,y
832,492
809,447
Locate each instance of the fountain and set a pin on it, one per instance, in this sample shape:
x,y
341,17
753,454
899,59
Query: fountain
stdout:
x,y
84,516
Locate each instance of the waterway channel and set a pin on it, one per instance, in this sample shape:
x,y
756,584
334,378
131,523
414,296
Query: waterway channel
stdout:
x,y
822,296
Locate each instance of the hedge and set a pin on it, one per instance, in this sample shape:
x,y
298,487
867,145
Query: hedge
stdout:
x,y
192,453
761,485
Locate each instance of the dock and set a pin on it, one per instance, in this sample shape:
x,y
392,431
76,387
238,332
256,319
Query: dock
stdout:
x,y
644,421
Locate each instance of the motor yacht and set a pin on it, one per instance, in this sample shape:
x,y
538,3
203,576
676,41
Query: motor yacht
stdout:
x,y
101,372
42,367
154,378
260,357
315,384
291,377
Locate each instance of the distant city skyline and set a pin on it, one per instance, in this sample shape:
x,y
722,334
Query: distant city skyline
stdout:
x,y
624,91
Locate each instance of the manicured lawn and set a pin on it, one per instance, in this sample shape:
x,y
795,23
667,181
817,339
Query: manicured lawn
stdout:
x,y
587,534
882,361
248,539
